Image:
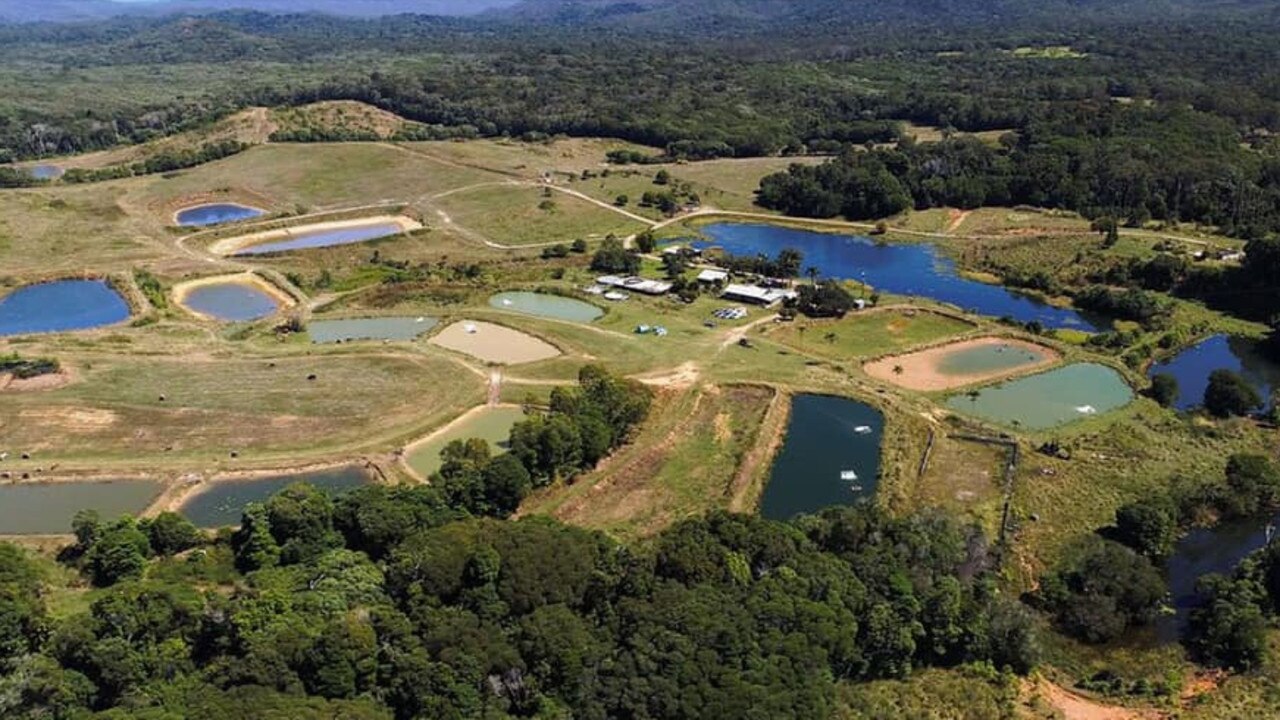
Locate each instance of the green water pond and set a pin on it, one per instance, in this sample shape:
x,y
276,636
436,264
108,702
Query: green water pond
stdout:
x,y
1050,399
491,424
982,359
47,508
548,306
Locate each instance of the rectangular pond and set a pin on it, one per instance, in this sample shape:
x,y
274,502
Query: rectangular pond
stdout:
x,y
47,508
831,456
222,502
325,238
546,305
492,424
903,269
1050,399
61,306
383,328
1192,368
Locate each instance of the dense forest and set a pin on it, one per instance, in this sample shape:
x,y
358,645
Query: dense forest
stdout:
x,y
1132,164
796,89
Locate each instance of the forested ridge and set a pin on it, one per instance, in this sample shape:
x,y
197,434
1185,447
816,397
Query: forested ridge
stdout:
x,y
791,89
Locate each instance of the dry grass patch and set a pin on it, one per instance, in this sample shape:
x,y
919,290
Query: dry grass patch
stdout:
x,y
682,463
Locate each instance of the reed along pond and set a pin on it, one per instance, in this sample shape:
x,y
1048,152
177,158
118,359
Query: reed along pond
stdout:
x,y
221,503
61,306
831,456
46,508
216,214
903,269
1050,399
548,306
1192,368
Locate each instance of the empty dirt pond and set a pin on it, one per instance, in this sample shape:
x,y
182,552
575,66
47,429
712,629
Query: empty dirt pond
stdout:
x,y
494,343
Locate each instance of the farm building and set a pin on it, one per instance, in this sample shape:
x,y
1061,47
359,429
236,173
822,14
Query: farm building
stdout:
x,y
755,294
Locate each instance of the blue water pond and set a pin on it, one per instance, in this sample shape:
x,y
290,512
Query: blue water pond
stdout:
x,y
325,238
61,306
915,270
216,214
1193,366
231,301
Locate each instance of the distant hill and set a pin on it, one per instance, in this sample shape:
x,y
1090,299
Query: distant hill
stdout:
x,y
711,15
21,11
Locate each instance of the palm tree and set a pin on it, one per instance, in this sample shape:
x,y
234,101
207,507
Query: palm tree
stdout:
x,y
812,272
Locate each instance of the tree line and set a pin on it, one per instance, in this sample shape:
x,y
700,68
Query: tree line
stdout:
x,y
1099,161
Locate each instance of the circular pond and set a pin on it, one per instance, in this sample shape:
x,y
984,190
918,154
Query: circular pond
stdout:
x,y
549,306
216,214
61,306
231,301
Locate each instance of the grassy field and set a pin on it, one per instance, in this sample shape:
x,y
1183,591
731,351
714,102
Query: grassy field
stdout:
x,y
313,177
514,215
868,334
200,409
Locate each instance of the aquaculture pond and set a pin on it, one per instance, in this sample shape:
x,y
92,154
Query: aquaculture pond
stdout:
x,y
45,172
492,424
216,214
903,269
222,502
831,456
47,508
1049,399
383,328
550,306
325,238
61,306
1205,551
1193,366
231,301
990,358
